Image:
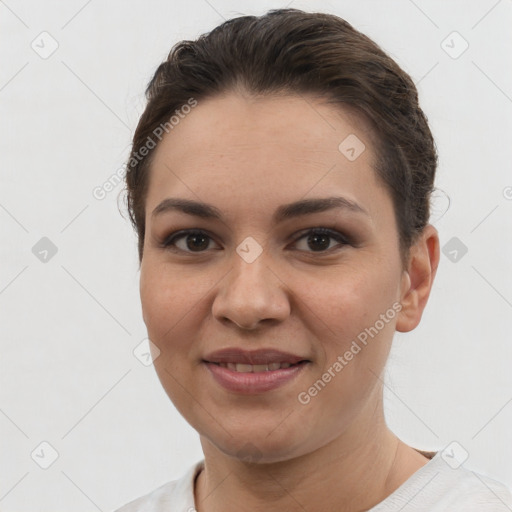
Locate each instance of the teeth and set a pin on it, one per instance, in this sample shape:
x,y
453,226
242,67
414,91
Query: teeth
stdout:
x,y
248,368
258,367
244,368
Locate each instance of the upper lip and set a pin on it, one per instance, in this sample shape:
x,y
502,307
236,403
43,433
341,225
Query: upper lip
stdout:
x,y
260,356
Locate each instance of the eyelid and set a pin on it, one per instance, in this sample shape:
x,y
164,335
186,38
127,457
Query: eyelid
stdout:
x,y
342,239
333,233
168,241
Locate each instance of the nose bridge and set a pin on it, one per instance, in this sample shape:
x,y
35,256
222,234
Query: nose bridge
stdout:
x,y
250,278
251,292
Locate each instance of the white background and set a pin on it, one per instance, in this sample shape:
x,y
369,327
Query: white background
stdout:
x,y
69,325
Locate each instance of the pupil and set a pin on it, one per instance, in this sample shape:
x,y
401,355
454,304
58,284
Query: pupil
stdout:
x,y
195,238
315,237
312,239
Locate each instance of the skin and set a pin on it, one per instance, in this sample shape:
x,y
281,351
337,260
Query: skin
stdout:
x,y
247,156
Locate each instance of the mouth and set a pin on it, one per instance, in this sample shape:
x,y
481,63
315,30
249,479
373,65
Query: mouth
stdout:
x,y
254,371
263,359
257,368
255,379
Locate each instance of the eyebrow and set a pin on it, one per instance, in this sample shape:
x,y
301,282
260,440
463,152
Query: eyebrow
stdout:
x,y
282,213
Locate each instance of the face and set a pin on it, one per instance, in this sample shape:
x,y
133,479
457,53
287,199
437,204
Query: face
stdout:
x,y
259,276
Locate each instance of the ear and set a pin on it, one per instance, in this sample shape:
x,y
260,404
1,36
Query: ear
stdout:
x,y
418,278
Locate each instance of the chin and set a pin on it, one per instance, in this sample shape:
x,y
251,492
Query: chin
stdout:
x,y
258,448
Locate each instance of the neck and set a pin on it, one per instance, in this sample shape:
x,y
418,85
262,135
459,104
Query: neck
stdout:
x,y
353,472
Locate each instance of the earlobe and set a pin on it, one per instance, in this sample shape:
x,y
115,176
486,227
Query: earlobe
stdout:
x,y
418,278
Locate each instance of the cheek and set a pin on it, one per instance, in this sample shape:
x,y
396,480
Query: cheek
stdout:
x,y
345,314
176,313
170,305
167,298
352,299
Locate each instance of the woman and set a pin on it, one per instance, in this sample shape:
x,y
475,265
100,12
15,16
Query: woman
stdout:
x,y
260,140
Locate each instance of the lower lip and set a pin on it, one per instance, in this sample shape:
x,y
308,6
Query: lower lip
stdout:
x,y
253,382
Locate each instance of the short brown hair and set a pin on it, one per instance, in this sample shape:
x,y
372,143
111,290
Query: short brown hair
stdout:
x,y
291,51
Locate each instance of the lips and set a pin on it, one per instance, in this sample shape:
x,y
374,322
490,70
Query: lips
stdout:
x,y
253,357
252,368
251,372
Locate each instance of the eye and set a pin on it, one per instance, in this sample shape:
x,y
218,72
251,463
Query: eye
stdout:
x,y
318,238
196,240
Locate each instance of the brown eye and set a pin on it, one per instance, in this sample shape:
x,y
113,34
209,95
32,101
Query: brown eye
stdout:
x,y
195,241
319,239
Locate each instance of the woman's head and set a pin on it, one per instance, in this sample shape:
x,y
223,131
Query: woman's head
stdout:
x,y
291,52
297,131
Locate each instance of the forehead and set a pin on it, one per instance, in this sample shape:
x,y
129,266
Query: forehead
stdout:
x,y
241,151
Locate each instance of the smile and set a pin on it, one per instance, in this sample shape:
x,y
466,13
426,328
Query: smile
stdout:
x,y
254,378
254,368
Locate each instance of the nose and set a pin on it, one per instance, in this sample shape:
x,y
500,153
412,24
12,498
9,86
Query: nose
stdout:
x,y
251,294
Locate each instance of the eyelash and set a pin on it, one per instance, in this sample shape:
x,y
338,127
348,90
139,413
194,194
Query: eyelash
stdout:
x,y
169,242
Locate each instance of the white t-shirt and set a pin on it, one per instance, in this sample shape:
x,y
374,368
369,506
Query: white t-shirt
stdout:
x,y
435,487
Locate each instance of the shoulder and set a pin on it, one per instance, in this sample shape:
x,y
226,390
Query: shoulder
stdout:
x,y
437,487
176,495
156,500
470,490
